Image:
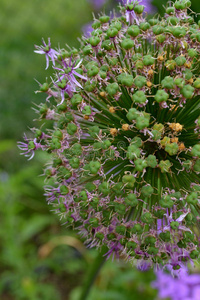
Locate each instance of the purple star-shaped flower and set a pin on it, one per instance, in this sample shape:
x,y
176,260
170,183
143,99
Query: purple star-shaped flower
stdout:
x,y
68,72
48,51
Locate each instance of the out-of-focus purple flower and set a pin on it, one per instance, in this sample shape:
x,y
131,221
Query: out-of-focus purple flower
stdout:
x,y
184,287
48,51
87,29
97,3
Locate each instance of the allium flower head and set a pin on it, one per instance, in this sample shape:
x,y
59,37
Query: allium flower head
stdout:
x,y
125,138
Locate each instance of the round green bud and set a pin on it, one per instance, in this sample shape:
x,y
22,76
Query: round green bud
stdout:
x,y
187,74
173,20
131,200
194,254
112,88
147,191
136,141
179,82
94,222
174,225
132,114
104,19
151,161
64,190
153,22
68,117
140,81
76,149
147,218
170,64
118,188
66,173
161,38
133,30
131,245
144,26
192,52
165,236
121,229
71,128
139,97
94,41
99,236
76,99
83,196
104,188
112,32
152,250
196,83
168,82
161,96
187,91
196,166
157,29
148,60
196,150
140,164
96,25
120,208
133,152
87,110
43,109
156,135
166,202
44,87
180,60
74,162
127,80
172,148
31,145
179,31
137,228
90,187
192,198
129,181
138,9
92,71
94,166
94,131
170,10
87,50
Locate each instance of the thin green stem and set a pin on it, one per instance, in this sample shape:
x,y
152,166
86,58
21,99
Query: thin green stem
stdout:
x,y
93,272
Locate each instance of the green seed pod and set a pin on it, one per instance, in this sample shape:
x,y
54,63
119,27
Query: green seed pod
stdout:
x,y
187,91
168,82
131,200
180,60
140,81
139,97
133,30
71,128
129,181
161,96
144,26
151,161
147,218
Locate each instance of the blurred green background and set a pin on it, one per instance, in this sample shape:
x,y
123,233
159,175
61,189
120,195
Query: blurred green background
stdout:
x,y
40,258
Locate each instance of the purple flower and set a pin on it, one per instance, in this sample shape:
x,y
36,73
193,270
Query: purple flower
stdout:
x,y
29,147
97,3
48,51
185,286
68,72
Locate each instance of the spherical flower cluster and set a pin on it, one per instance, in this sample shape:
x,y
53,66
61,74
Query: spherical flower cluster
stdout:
x,y
124,137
